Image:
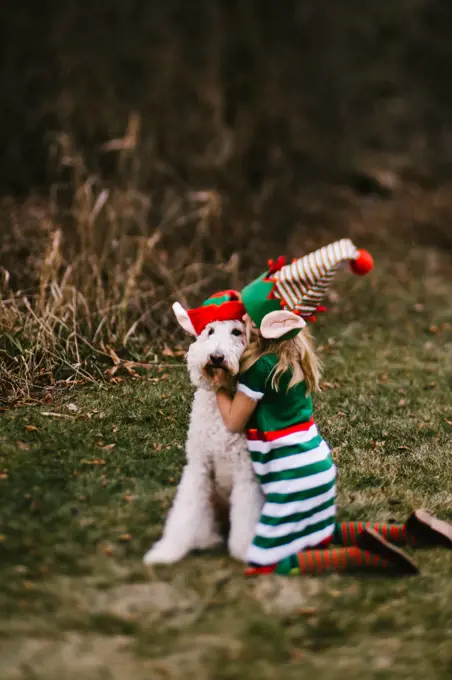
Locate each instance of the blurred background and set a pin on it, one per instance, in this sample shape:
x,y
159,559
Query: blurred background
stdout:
x,y
155,151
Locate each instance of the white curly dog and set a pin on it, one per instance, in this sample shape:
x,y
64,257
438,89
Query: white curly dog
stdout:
x,y
218,462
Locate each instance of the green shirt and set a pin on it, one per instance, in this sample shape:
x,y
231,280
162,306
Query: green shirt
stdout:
x,y
278,409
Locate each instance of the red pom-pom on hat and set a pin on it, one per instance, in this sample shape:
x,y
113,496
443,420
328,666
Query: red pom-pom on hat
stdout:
x,y
363,264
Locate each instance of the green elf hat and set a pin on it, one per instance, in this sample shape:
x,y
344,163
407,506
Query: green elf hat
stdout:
x,y
281,300
223,306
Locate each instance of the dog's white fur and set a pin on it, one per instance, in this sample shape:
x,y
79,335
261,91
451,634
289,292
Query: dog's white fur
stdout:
x,y
217,462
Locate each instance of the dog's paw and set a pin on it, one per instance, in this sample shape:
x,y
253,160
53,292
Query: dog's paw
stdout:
x,y
238,548
164,553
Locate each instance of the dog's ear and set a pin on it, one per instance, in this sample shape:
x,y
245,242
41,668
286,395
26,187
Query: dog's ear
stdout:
x,y
278,323
183,318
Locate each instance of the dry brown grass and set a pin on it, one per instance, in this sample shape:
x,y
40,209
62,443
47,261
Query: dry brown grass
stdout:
x,y
94,267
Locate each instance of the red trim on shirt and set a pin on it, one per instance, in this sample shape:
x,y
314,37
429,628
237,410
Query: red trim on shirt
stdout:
x,y
256,435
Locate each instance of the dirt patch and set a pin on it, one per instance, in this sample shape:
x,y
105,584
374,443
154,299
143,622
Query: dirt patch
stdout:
x,y
281,597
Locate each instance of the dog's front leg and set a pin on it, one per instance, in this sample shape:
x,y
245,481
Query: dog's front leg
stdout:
x,y
191,522
247,501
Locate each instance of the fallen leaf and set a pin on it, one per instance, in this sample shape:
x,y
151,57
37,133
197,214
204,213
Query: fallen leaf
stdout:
x,y
47,398
449,422
402,402
96,461
307,611
72,407
105,447
111,371
3,475
125,538
404,448
31,428
433,329
114,428
128,365
335,593
129,497
2,538
24,446
297,655
107,550
51,414
29,585
114,357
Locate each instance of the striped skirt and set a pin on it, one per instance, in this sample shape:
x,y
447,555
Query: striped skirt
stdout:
x,y
297,475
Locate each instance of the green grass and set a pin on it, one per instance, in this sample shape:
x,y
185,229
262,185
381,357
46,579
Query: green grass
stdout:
x,y
76,518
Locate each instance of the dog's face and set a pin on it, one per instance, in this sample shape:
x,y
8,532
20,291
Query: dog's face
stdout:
x,y
218,347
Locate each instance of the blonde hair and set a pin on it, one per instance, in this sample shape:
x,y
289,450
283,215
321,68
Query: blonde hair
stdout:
x,y
296,355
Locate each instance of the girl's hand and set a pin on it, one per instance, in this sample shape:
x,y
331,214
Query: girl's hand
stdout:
x,y
219,379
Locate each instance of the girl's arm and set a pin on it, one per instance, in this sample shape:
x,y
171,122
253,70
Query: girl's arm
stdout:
x,y
235,411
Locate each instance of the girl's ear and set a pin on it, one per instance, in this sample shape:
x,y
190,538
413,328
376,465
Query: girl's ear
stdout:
x,y
277,324
183,318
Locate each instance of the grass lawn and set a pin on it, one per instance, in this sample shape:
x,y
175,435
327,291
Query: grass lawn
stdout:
x,y
84,495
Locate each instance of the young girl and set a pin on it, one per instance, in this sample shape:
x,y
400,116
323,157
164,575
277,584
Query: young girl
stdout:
x,y
291,460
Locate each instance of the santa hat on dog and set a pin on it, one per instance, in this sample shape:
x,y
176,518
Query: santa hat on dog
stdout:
x,y
280,301
223,306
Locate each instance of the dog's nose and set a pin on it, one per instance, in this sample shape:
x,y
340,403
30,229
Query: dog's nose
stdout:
x,y
216,359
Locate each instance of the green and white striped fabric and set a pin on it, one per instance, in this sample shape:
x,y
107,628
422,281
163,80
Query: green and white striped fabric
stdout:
x,y
293,464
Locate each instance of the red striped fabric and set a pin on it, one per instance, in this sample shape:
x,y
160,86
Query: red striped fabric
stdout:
x,y
256,435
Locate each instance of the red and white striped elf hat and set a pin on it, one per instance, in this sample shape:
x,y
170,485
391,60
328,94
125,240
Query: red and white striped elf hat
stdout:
x,y
302,285
284,296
